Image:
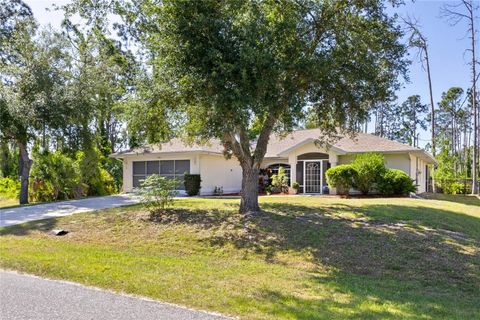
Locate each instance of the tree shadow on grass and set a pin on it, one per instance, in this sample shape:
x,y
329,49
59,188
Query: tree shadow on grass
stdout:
x,y
205,219
27,228
405,242
361,298
395,248
419,260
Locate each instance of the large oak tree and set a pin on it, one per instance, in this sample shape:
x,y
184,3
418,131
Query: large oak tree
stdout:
x,y
219,68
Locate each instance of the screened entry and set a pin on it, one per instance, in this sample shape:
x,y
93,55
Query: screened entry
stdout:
x,y
310,173
172,169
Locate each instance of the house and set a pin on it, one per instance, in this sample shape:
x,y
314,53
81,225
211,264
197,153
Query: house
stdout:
x,y
304,160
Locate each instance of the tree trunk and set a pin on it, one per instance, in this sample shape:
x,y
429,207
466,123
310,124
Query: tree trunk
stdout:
x,y
432,111
249,193
474,104
24,171
4,158
475,149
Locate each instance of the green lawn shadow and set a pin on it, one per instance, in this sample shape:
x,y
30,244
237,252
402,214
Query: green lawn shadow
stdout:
x,y
458,198
417,257
414,258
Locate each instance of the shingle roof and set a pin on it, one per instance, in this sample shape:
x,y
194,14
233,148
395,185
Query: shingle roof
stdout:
x,y
365,142
173,146
362,142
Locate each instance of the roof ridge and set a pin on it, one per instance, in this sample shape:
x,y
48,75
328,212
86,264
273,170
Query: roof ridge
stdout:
x,y
361,142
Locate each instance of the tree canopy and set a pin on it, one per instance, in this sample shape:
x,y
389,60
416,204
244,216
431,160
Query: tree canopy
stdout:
x,y
221,69
124,73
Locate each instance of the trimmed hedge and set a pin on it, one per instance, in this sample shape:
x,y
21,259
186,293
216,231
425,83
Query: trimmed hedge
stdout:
x,y
369,167
367,172
192,184
395,182
341,177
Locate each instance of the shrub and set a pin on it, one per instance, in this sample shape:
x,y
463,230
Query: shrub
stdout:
x,y
42,191
370,168
157,192
192,184
268,190
395,182
453,188
341,177
54,176
115,168
100,182
280,180
9,188
8,160
295,186
218,191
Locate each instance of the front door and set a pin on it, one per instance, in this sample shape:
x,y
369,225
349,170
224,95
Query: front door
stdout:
x,y
313,177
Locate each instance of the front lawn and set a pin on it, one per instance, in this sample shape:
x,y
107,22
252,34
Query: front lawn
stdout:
x,y
459,198
7,202
303,258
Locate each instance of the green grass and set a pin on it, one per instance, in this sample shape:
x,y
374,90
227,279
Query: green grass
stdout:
x,y
8,202
459,198
303,258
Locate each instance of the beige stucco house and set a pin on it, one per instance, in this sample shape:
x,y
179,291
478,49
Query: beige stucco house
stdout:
x,y
304,160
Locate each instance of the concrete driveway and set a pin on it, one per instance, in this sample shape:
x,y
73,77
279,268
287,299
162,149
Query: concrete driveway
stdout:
x,y
17,215
25,297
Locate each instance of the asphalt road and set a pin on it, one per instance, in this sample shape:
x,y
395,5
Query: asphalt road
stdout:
x,y
25,297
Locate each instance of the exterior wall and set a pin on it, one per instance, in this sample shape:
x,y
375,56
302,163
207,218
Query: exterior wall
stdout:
x,y
309,148
215,170
418,173
400,161
127,175
410,164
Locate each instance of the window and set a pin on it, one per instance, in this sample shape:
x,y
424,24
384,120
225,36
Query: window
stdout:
x,y
173,169
153,167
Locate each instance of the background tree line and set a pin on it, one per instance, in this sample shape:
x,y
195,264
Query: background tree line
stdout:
x,y
61,105
453,122
70,97
454,127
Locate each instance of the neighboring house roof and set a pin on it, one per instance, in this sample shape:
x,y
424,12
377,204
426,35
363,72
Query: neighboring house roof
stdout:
x,y
279,146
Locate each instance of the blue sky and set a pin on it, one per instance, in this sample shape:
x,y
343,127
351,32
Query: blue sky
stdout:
x,y
447,49
448,58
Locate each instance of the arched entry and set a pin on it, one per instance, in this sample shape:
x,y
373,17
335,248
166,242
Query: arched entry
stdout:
x,y
265,175
273,169
310,172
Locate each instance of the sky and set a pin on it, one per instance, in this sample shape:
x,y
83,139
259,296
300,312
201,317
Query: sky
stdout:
x,y
447,45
